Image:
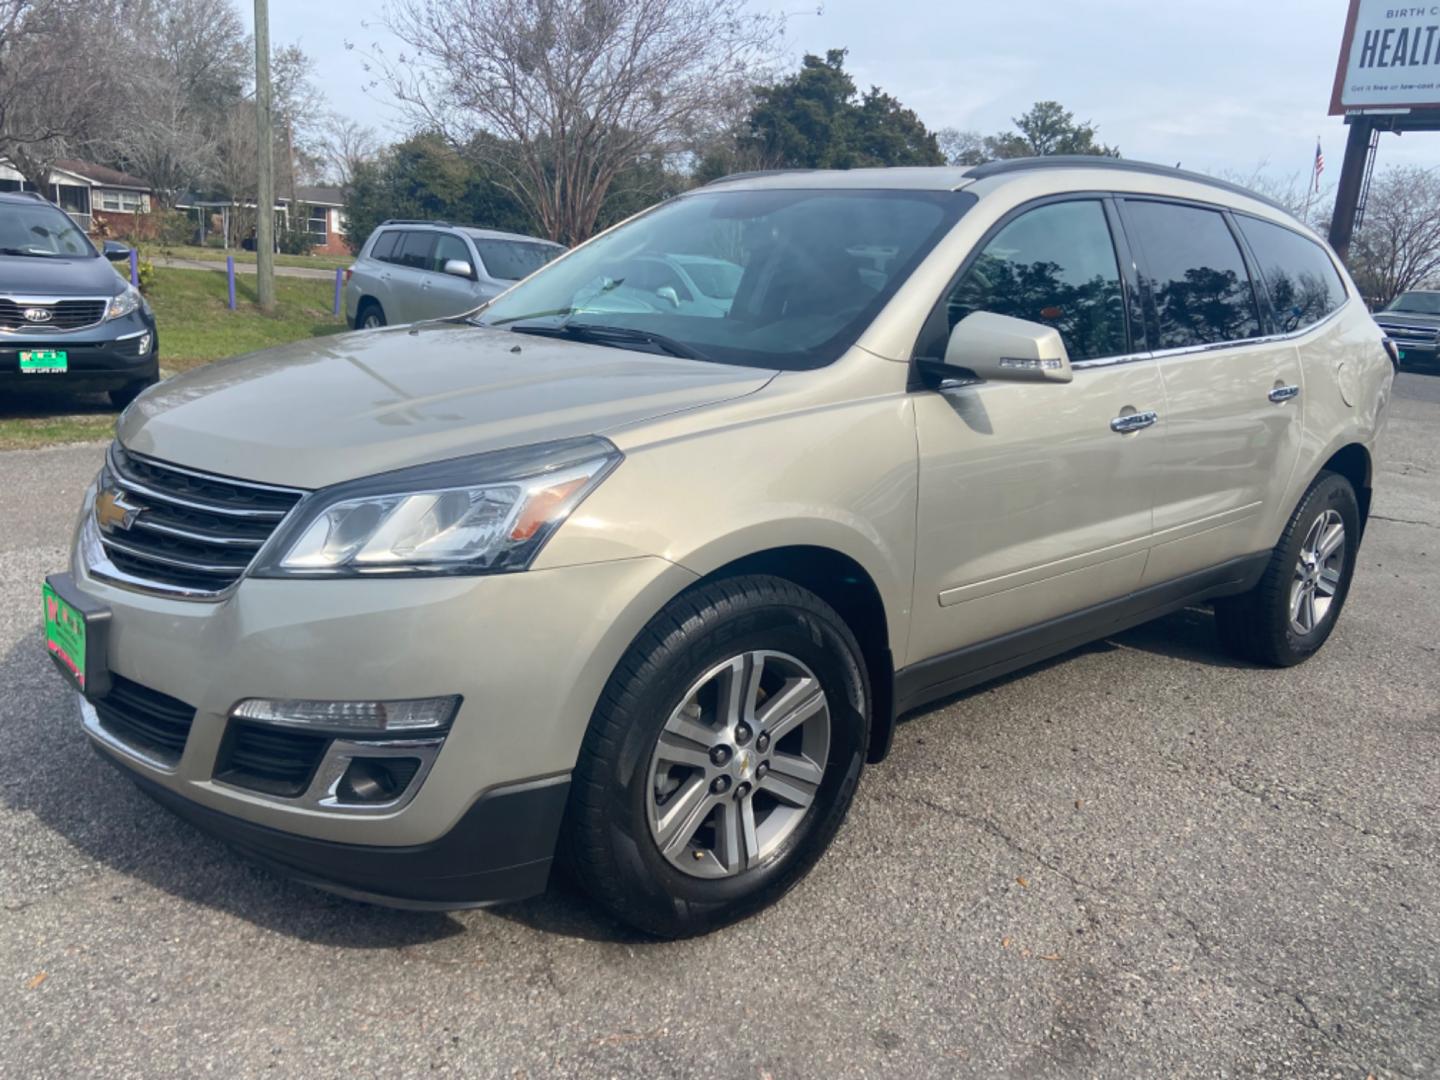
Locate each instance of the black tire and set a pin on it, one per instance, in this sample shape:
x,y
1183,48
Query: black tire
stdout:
x,y
1256,625
607,844
369,315
122,396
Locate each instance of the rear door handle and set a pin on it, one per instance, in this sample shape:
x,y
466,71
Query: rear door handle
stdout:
x,y
1284,393
1133,422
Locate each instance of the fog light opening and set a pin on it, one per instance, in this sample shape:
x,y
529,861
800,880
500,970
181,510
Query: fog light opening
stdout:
x,y
142,347
376,780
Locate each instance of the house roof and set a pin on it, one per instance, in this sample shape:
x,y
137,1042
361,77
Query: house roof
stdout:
x,y
320,196
102,175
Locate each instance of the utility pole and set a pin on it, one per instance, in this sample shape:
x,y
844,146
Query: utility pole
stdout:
x,y
265,171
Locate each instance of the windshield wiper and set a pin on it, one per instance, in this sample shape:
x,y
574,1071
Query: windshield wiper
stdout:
x,y
613,335
32,253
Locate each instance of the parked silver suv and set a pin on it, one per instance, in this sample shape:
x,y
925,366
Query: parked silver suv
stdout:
x,y
644,585
412,270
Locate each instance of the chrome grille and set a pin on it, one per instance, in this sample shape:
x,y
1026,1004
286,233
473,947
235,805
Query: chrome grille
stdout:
x,y
64,314
1419,335
173,529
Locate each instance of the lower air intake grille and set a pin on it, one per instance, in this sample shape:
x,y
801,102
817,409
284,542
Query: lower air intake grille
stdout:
x,y
150,722
270,760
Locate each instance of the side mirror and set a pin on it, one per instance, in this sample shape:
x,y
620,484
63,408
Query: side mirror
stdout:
x,y
459,268
1002,349
668,294
115,251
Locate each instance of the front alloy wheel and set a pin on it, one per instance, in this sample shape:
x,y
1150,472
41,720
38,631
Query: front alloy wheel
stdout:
x,y
721,757
737,765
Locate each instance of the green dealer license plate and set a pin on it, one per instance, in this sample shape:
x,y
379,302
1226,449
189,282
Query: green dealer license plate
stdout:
x,y
44,362
76,628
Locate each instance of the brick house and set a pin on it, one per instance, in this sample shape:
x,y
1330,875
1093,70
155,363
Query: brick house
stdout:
x,y
320,210
96,196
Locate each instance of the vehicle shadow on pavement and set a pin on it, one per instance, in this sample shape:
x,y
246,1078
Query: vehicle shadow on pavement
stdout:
x,y
1187,635
40,402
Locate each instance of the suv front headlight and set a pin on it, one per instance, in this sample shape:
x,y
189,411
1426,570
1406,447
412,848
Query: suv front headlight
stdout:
x,y
124,302
485,514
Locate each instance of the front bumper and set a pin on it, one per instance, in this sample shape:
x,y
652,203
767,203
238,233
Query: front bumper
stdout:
x,y
103,357
528,653
501,849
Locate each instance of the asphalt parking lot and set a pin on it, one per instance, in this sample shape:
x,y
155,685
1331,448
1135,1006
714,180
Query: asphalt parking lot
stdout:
x,y
1139,859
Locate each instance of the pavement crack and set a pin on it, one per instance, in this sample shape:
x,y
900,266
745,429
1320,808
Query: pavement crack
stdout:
x,y
1404,521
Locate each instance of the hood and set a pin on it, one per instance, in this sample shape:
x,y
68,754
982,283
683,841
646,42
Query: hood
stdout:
x,y
24,275
1407,318
317,412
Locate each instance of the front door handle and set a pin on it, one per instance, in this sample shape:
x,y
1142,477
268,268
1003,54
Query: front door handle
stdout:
x,y
1133,422
1284,393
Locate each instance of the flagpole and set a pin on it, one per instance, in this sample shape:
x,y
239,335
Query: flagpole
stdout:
x,y
1314,181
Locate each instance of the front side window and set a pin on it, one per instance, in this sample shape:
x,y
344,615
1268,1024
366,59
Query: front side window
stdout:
x,y
40,230
448,247
1301,281
511,260
1054,265
1196,274
797,273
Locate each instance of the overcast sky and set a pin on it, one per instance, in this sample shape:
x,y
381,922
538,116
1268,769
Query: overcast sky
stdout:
x,y
1224,84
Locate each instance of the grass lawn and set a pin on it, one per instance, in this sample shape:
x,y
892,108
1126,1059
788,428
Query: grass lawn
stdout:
x,y
209,254
195,328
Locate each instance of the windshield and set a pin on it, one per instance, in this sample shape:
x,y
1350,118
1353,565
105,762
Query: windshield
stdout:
x,y
511,260
769,278
40,230
1418,303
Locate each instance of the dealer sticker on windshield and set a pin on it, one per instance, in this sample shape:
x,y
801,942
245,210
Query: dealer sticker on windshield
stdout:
x,y
43,362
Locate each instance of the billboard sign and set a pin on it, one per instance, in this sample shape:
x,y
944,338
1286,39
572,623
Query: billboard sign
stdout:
x,y
1389,58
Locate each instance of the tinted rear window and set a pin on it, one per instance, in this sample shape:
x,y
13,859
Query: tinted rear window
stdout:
x,y
1299,277
384,248
1197,277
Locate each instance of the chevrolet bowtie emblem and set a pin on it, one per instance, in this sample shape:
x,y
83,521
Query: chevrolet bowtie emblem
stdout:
x,y
112,511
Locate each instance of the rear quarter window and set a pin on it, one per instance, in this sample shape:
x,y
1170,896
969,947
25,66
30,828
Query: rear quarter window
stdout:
x,y
384,248
1299,278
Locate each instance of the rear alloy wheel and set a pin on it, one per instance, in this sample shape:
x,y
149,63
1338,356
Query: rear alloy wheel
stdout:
x,y
721,759
371,317
1287,616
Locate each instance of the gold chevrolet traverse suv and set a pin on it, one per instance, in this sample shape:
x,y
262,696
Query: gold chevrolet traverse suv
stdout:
x,y
635,567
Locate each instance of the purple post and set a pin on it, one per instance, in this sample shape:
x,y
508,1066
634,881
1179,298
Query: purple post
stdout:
x,y
339,279
230,274
134,268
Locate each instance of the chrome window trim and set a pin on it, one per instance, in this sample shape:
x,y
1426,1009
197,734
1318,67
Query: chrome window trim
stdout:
x,y
1188,350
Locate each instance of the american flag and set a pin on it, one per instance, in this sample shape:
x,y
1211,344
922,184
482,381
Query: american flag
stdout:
x,y
1319,164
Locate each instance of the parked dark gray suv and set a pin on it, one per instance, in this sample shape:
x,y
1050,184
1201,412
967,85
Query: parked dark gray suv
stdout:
x,y
1412,320
65,316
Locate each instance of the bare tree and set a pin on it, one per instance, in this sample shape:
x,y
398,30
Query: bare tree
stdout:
x,y
348,145
571,91
961,147
47,98
1398,246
